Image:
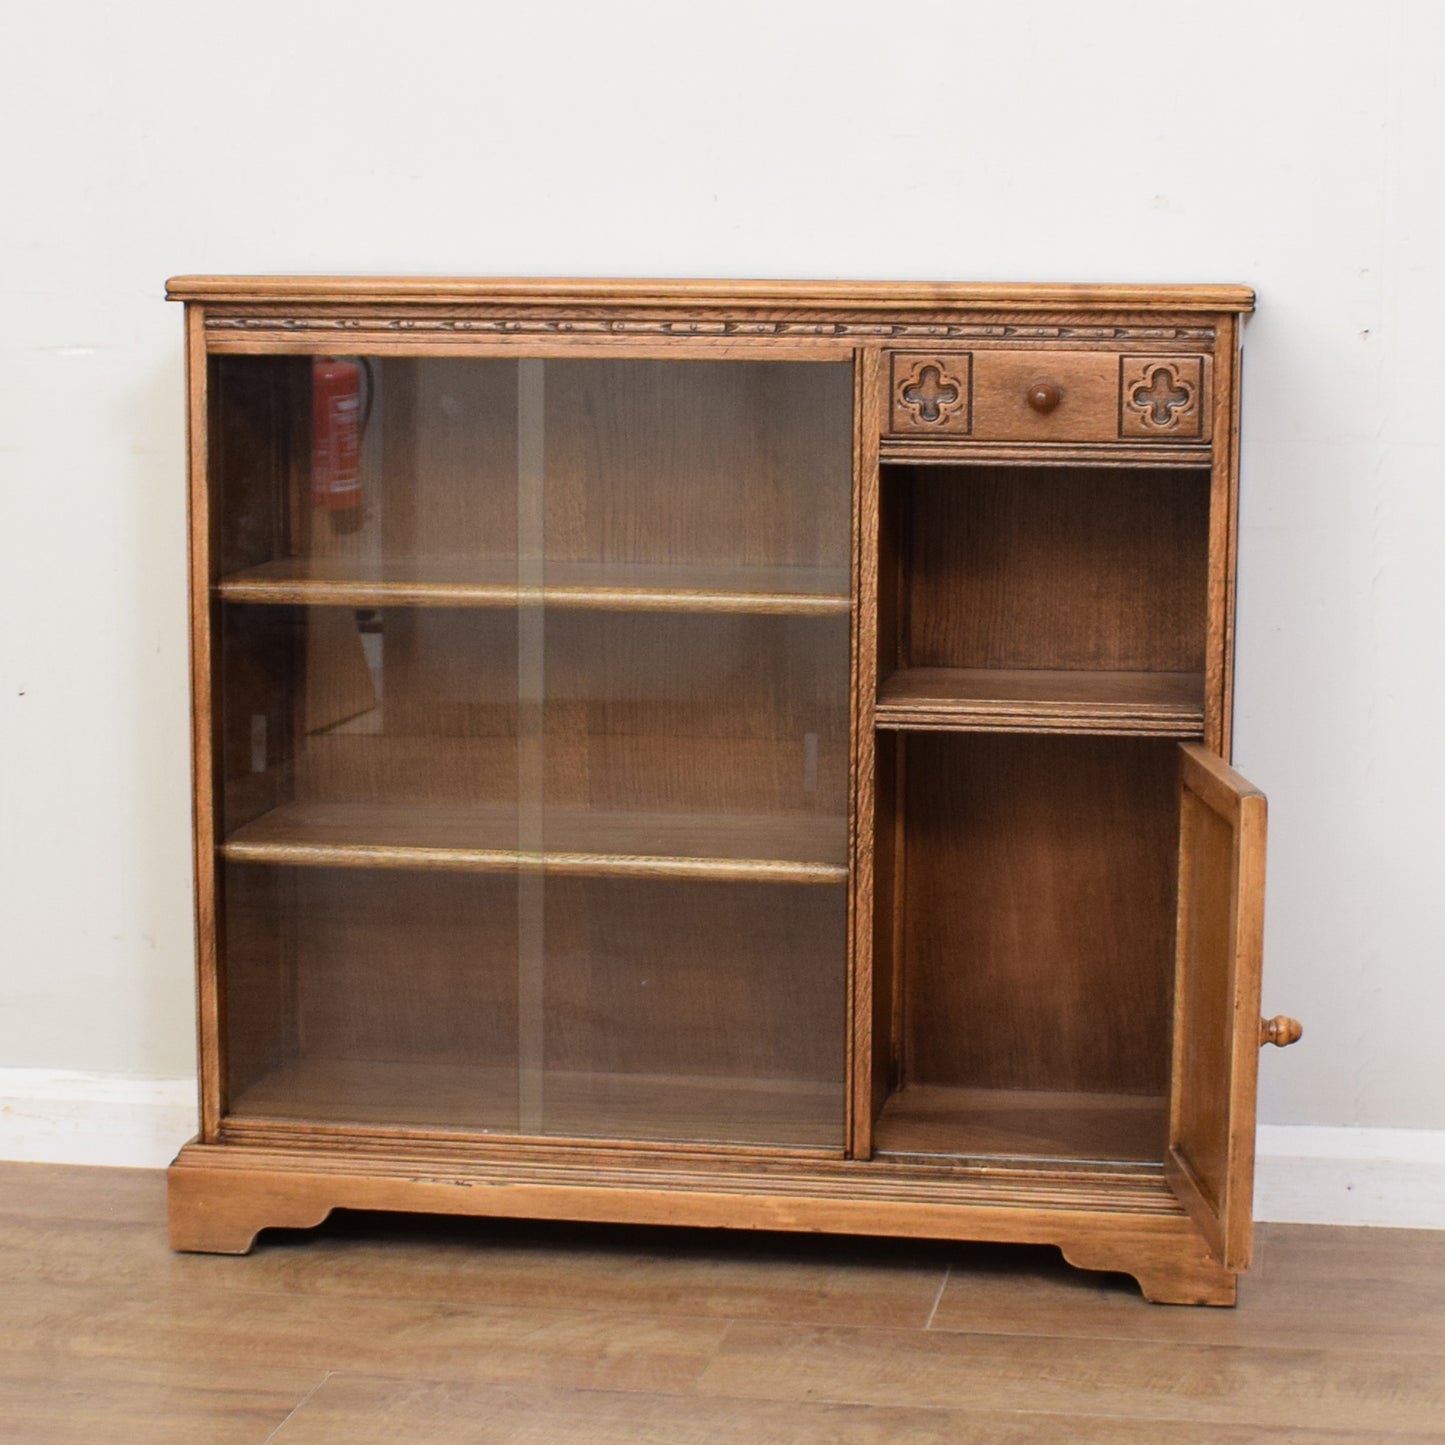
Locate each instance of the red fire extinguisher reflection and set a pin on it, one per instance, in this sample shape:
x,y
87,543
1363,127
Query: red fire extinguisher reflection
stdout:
x,y
337,422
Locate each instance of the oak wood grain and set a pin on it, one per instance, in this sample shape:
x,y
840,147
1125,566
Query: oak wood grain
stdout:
x,y
1109,1218
1040,898
860,1060
863,295
651,471
202,566
439,464
1064,396
733,984
574,1104
1223,542
736,847
1019,1124
1059,569
717,465
1167,704
1111,456
424,582
1219,945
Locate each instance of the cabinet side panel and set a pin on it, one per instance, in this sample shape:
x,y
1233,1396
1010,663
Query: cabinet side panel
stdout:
x,y
199,426
1223,543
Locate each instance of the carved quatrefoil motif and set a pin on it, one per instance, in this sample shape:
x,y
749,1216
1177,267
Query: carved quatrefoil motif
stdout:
x,y
930,395
1160,395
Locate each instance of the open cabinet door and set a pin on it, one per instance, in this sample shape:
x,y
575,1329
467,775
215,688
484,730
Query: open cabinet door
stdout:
x,y
1218,943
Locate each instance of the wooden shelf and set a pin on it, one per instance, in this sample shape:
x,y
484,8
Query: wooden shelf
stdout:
x,y
962,451
939,1120
721,847
600,586
574,1104
386,1092
974,699
709,1110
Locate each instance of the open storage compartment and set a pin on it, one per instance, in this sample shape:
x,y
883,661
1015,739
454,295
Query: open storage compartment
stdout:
x,y
1032,885
1072,598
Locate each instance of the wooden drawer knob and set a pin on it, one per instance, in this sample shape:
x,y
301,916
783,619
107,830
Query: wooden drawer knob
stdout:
x,y
1279,1031
1044,396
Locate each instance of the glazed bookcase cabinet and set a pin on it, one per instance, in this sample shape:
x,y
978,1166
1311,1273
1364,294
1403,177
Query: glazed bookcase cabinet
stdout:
x,y
743,754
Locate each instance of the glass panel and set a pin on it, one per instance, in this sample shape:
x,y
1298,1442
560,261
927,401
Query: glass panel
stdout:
x,y
739,470
690,672
533,740
366,472
371,996
367,738
369,728
695,1010
369,823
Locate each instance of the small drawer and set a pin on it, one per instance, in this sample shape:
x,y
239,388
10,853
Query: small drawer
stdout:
x,y
1050,396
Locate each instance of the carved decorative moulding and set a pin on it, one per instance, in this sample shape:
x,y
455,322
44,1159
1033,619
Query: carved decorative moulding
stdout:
x,y
1162,396
471,321
932,393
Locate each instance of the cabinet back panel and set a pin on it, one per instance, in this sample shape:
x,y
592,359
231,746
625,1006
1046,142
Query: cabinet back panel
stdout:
x,y
1039,912
443,458
1053,568
712,713
738,464
681,977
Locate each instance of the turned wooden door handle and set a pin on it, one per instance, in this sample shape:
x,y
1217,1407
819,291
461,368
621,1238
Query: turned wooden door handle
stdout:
x,y
1044,396
1279,1031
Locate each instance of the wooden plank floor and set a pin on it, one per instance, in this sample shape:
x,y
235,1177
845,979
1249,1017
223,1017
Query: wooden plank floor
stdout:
x,y
399,1329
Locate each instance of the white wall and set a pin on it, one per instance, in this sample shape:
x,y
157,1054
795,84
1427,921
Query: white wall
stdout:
x,y
1291,146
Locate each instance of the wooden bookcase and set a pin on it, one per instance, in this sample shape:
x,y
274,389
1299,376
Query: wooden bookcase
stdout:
x,y
737,754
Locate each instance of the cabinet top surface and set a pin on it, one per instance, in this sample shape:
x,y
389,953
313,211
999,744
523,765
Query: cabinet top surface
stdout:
x,y
865,296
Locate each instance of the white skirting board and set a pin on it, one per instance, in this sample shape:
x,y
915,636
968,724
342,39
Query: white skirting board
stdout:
x,y
1308,1174
61,1116
1393,1178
